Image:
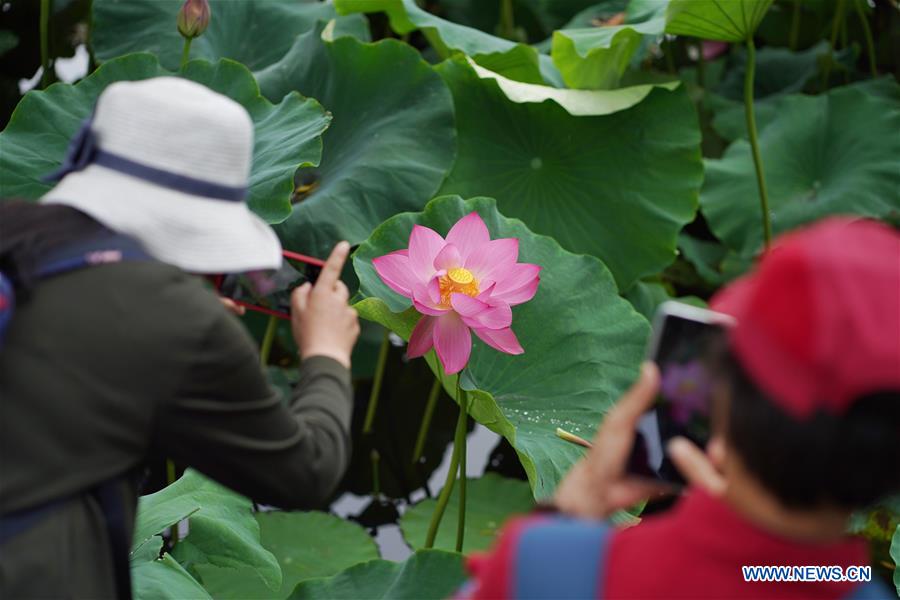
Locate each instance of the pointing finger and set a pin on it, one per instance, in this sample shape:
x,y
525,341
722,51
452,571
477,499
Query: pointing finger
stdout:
x,y
331,272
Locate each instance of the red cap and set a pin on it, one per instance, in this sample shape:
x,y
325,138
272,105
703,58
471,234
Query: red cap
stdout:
x,y
818,321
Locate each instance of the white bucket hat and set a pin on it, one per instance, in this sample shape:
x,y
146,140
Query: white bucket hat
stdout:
x,y
166,161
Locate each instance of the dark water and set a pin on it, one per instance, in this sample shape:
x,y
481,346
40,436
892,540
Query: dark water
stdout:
x,y
480,444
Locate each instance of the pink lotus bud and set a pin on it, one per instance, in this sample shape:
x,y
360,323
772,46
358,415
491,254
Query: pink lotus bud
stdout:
x,y
193,18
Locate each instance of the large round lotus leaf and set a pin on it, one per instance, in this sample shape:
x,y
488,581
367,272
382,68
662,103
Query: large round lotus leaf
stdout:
x,y
619,186
725,20
583,343
163,578
517,61
490,501
287,135
251,32
306,544
390,144
222,530
426,575
822,155
596,57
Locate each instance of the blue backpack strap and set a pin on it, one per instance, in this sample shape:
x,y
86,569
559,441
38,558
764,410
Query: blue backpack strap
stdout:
x,y
106,247
870,590
561,559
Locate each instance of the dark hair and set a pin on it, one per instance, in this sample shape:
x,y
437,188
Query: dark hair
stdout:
x,y
29,231
849,460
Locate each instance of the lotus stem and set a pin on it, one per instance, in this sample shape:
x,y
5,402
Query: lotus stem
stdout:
x,y
462,443
667,50
425,426
376,384
795,26
835,29
507,20
459,442
186,52
265,349
45,42
870,42
571,437
376,476
754,142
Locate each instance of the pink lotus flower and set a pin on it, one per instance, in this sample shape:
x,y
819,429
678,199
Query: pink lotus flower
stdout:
x,y
466,282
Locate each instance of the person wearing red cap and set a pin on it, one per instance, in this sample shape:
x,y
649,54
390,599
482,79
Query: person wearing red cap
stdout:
x,y
806,428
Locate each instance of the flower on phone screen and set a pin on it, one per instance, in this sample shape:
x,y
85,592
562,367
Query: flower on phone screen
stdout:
x,y
687,388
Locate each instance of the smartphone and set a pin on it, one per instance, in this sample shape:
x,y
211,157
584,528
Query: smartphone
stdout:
x,y
270,292
682,335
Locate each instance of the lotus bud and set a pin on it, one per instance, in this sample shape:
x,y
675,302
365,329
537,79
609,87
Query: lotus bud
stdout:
x,y
193,18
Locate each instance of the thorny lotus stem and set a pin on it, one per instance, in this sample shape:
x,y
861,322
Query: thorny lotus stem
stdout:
x,y
186,52
795,26
45,42
459,443
835,29
266,347
754,142
867,32
433,396
571,437
507,20
463,416
376,384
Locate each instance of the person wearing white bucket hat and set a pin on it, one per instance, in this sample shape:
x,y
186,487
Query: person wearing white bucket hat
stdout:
x,y
114,353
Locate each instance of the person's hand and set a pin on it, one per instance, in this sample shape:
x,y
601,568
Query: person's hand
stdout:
x,y
598,485
232,307
322,322
695,466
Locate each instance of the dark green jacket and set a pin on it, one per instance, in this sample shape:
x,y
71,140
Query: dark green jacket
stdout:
x,y
109,365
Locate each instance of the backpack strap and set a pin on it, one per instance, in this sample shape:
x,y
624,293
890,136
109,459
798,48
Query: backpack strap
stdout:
x,y
106,247
561,559
870,590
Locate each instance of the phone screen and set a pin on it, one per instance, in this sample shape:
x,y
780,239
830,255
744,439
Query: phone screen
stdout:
x,y
683,403
270,290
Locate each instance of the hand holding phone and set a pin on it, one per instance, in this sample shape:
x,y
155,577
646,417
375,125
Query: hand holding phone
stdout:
x,y
681,340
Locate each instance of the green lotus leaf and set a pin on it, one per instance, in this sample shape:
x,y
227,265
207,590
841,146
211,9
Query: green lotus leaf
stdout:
x,y
730,122
583,343
287,135
307,545
524,63
618,185
426,575
723,20
250,32
391,142
822,155
596,57
491,500
222,532
162,578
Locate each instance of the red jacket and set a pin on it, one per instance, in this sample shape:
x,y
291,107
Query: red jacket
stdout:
x,y
696,550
